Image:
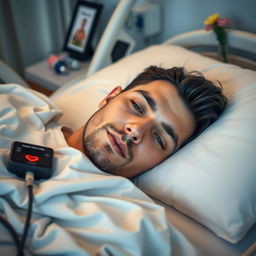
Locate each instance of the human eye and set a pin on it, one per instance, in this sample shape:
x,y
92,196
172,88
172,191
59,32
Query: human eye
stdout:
x,y
137,107
159,140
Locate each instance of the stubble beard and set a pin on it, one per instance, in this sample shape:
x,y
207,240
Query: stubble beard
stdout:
x,y
96,155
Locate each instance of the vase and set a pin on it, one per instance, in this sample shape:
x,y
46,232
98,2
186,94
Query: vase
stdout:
x,y
223,52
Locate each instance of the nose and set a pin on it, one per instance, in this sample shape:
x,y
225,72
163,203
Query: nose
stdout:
x,y
135,131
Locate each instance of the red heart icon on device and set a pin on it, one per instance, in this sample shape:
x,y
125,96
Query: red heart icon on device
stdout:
x,y
32,158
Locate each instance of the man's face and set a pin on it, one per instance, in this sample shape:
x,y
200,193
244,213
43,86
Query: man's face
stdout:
x,y
137,129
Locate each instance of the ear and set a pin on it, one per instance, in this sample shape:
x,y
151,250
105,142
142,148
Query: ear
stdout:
x,y
110,96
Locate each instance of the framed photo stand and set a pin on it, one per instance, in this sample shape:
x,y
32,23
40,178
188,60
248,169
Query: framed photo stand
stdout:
x,y
81,30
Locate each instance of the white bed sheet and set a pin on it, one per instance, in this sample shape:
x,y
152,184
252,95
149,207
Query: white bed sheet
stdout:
x,y
204,240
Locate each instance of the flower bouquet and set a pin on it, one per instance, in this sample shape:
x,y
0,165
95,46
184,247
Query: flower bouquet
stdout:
x,y
219,26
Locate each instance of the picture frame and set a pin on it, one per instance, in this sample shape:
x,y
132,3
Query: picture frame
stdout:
x,y
82,27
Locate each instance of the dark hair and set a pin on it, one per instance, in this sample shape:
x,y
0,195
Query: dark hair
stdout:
x,y
205,100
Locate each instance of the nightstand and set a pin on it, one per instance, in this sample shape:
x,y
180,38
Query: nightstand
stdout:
x,y
41,78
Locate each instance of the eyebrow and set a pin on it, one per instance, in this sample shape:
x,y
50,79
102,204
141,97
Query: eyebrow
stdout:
x,y
152,104
171,133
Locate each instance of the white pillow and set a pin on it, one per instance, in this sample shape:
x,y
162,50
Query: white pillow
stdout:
x,y
212,179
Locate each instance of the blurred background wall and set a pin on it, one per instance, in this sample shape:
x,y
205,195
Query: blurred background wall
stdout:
x,y
31,30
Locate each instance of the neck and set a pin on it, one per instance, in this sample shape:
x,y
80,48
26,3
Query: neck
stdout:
x,y
74,139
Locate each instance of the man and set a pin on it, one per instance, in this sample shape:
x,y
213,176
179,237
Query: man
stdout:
x,y
136,129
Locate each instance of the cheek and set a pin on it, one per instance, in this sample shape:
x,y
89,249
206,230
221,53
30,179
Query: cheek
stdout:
x,y
117,113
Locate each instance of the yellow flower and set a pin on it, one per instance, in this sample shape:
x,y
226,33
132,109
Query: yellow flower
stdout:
x,y
212,19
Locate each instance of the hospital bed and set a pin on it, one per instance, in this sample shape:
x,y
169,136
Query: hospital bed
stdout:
x,y
208,187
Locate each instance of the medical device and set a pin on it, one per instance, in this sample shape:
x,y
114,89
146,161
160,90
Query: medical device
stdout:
x,y
26,157
31,162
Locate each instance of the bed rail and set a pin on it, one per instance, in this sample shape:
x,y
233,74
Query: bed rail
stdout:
x,y
242,45
236,39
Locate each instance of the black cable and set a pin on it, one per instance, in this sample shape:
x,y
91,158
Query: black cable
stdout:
x,y
11,230
20,244
29,183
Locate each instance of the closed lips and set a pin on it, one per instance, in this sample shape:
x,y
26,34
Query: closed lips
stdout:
x,y
118,146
